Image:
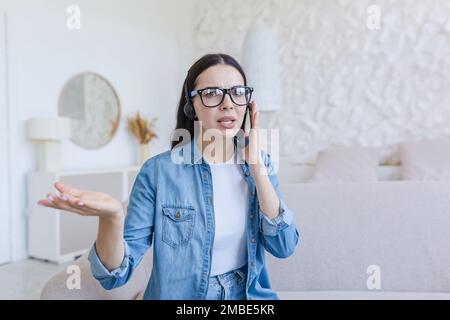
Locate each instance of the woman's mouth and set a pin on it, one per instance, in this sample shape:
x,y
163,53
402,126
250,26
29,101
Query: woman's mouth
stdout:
x,y
227,122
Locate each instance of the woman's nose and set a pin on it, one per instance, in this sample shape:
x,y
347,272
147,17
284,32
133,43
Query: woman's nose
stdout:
x,y
227,103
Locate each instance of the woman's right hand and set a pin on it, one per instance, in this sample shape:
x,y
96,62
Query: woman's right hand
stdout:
x,y
85,203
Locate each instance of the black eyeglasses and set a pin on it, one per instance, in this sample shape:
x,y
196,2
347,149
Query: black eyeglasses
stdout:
x,y
212,96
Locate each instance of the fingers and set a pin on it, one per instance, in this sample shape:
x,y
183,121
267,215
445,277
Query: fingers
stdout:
x,y
67,189
86,203
71,200
57,201
255,114
51,201
63,202
47,203
253,106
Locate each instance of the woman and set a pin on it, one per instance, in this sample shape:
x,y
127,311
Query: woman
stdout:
x,y
209,219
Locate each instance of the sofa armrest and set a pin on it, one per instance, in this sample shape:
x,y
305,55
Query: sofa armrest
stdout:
x,y
57,289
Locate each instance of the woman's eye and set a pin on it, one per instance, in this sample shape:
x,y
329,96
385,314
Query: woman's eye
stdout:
x,y
239,91
211,93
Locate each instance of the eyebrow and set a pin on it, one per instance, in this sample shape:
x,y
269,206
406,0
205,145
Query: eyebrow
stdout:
x,y
194,93
219,87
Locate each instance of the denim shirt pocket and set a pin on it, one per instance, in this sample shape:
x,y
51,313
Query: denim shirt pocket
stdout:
x,y
177,225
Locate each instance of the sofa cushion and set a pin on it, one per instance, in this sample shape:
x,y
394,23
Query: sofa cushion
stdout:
x,y
355,164
426,160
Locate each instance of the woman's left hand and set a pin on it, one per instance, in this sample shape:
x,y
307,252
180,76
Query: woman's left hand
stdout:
x,y
252,151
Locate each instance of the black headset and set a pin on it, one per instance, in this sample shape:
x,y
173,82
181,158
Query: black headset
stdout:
x,y
189,110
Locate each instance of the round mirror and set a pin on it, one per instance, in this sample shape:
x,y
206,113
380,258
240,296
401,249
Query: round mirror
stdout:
x,y
93,107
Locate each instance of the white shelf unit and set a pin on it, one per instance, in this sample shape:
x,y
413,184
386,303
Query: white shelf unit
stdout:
x,y
60,236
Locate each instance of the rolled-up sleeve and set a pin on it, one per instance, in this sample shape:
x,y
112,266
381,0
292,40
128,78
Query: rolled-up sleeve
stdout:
x,y
280,235
100,272
272,227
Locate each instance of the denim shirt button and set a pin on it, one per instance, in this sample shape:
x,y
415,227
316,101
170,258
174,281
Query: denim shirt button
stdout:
x,y
253,240
253,263
252,216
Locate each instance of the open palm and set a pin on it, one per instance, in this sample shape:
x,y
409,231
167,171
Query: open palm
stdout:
x,y
85,203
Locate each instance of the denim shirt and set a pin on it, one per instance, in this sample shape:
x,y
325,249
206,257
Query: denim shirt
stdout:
x,y
171,207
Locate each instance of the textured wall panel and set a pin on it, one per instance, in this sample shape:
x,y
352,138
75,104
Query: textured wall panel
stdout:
x,y
345,84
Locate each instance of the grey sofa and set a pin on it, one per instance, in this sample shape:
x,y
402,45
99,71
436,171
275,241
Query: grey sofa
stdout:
x,y
401,227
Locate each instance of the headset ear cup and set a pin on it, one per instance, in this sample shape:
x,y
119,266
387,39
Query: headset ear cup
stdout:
x,y
189,111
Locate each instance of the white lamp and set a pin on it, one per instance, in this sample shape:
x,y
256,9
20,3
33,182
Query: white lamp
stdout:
x,y
48,133
260,62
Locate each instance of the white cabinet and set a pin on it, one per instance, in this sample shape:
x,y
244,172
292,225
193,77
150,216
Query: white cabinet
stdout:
x,y
61,236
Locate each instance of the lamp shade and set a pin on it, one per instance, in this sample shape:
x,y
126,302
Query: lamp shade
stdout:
x,y
260,62
47,134
50,129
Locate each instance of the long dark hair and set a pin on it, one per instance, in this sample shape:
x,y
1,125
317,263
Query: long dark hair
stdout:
x,y
209,60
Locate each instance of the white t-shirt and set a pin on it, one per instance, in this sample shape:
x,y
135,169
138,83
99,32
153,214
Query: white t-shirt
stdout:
x,y
230,197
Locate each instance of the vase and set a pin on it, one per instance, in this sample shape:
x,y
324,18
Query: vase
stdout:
x,y
144,153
